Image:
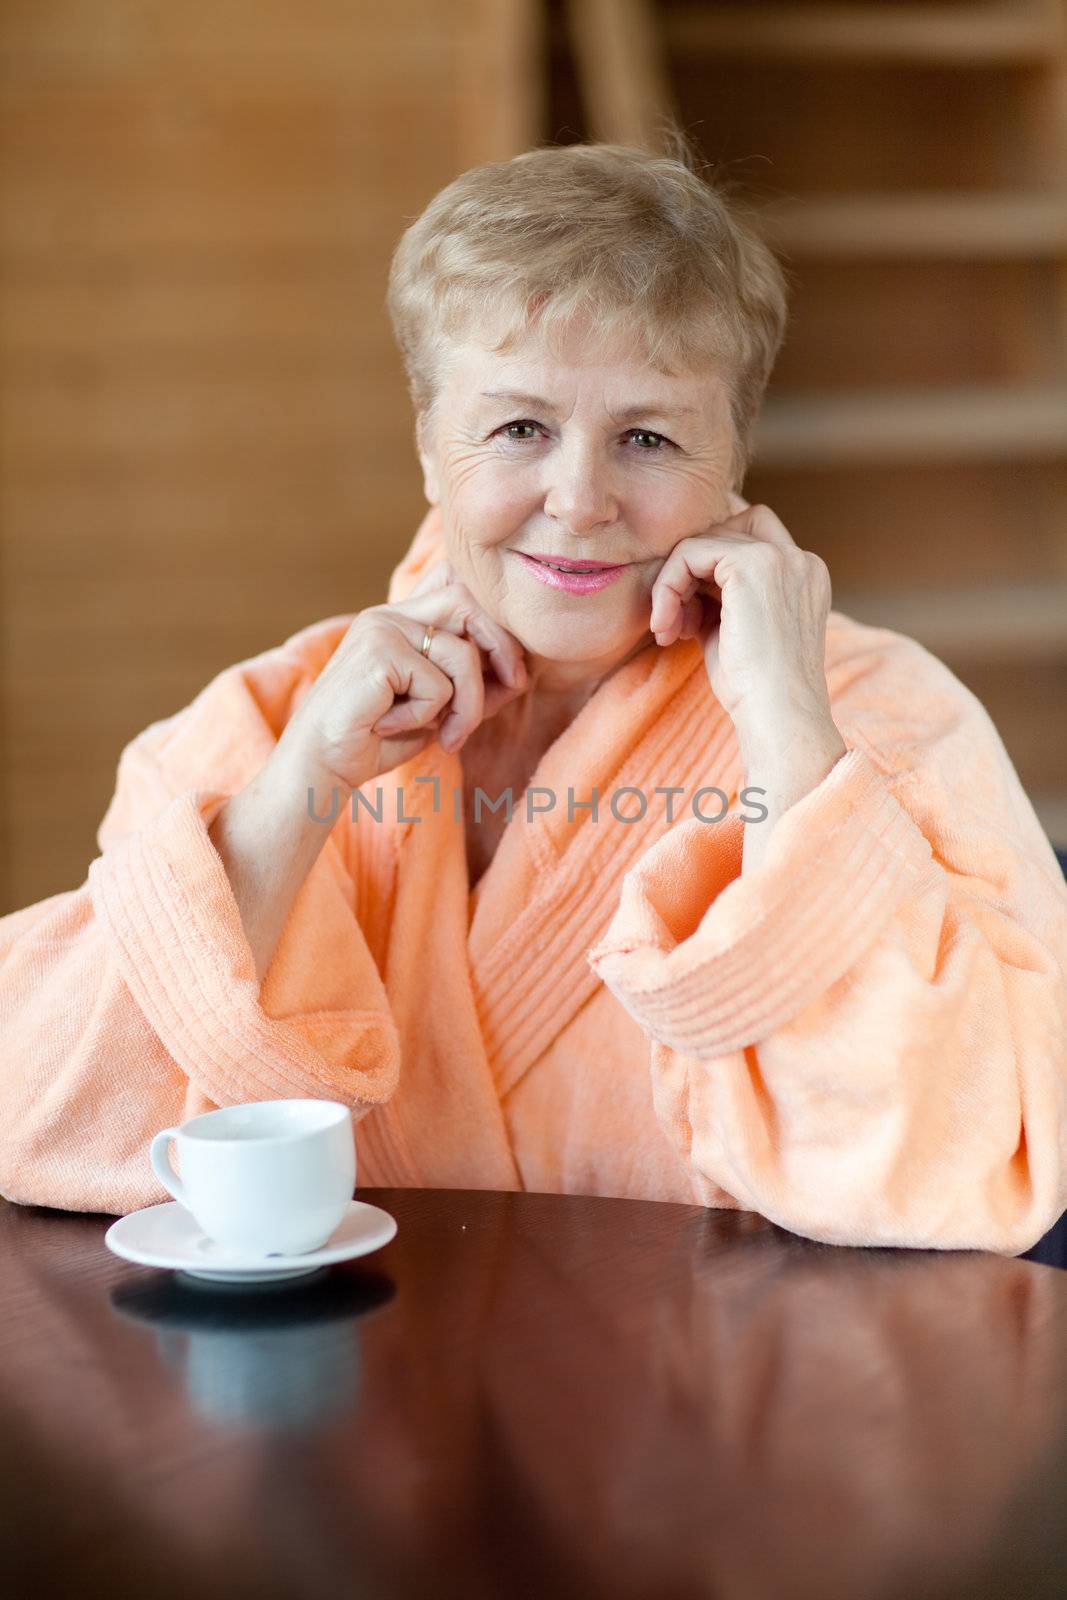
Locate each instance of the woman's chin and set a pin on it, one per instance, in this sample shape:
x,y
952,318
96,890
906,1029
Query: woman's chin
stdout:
x,y
568,648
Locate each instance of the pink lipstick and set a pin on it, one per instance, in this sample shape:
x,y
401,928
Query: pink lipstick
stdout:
x,y
573,577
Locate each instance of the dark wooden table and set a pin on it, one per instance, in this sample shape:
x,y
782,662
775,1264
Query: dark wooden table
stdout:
x,y
534,1395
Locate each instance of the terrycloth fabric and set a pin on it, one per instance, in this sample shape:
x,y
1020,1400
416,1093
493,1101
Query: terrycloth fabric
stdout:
x,y
864,1040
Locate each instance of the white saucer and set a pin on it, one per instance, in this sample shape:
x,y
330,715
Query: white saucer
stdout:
x,y
167,1235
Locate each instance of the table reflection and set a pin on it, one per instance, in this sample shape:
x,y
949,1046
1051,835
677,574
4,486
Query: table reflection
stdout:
x,y
273,1356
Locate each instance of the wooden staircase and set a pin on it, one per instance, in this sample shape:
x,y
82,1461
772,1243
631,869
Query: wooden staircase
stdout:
x,y
909,164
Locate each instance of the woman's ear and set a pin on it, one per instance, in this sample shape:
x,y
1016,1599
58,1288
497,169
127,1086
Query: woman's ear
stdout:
x,y
427,459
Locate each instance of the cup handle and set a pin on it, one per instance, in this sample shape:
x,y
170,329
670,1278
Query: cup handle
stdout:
x,y
159,1156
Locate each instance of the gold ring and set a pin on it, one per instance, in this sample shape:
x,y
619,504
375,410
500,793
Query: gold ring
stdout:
x,y
427,636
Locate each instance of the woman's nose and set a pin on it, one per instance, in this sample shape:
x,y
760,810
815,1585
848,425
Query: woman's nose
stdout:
x,y
579,492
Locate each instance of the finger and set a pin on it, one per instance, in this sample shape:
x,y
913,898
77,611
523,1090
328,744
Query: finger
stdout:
x,y
451,605
691,563
694,561
711,617
458,661
692,617
421,692
699,610
737,502
760,522
503,649
498,695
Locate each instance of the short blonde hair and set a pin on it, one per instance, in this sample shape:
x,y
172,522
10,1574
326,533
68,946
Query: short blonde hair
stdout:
x,y
642,241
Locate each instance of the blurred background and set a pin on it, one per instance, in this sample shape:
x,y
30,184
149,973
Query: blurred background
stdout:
x,y
205,430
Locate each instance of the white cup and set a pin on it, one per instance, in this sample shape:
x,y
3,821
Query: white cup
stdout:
x,y
273,1177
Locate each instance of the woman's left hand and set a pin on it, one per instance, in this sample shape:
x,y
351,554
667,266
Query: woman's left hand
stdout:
x,y
764,640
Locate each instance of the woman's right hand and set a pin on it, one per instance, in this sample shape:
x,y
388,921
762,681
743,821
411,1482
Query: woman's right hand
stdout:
x,y
379,701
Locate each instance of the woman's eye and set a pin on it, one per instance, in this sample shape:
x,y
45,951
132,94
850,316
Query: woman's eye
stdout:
x,y
642,433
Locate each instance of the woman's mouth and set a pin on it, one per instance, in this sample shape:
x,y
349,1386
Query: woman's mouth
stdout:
x,y
573,577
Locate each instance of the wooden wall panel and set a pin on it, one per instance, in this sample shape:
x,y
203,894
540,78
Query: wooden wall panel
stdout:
x,y
206,435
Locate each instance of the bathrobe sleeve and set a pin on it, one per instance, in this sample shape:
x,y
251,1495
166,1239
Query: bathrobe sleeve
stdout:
x,y
865,1039
132,1003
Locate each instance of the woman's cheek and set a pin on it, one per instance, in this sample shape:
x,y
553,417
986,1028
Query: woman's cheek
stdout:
x,y
492,505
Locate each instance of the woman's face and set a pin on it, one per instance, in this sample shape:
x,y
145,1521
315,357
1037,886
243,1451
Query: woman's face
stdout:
x,y
589,460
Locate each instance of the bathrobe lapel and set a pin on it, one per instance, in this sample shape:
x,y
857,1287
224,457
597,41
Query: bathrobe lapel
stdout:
x,y
553,885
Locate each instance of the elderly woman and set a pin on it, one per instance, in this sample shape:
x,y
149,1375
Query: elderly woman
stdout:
x,y
603,857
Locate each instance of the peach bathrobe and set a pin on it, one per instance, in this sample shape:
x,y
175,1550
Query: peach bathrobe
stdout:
x,y
864,1040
